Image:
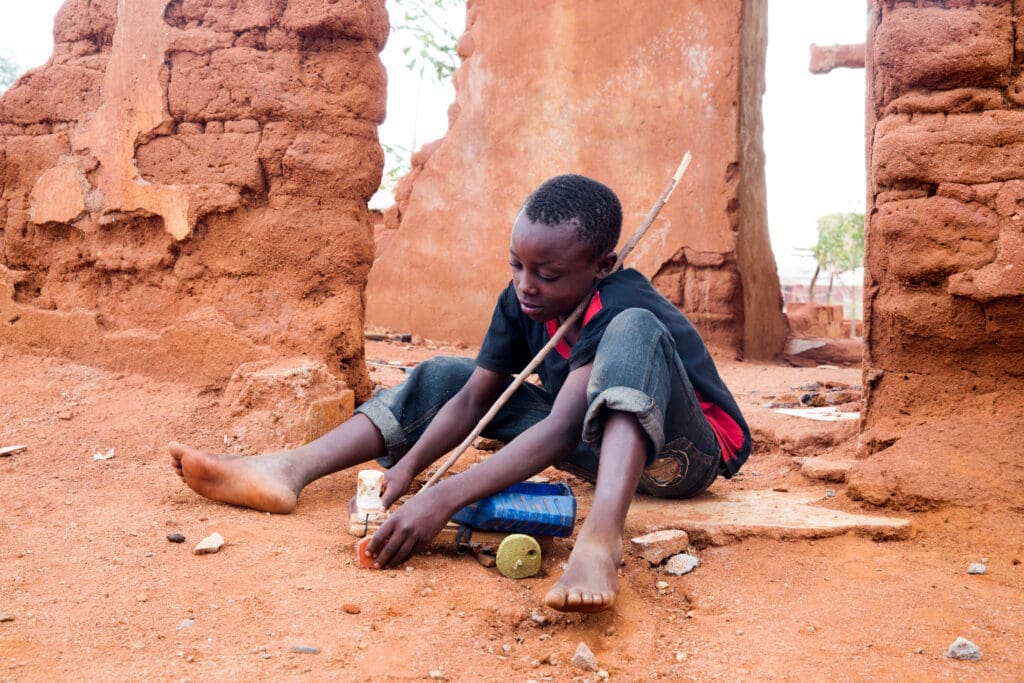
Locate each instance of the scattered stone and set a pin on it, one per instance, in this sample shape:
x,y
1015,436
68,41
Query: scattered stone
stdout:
x,y
830,493
8,451
584,658
681,656
265,655
6,617
661,585
964,649
656,546
507,649
176,538
976,568
306,649
65,415
919,651
211,544
602,674
610,631
540,618
186,623
104,456
677,565
150,555
351,608
436,675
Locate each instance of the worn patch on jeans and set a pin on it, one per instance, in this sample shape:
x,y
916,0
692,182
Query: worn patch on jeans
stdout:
x,y
666,471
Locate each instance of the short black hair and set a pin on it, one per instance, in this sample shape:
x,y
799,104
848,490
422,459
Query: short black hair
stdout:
x,y
589,206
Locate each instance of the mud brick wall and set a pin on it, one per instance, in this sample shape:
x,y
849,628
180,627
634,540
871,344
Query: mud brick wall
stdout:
x,y
944,294
612,90
183,185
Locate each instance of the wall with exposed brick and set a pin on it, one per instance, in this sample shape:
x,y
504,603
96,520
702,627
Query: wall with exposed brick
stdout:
x,y
183,186
944,294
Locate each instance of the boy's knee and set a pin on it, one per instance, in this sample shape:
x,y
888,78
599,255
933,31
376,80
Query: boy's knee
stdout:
x,y
634,323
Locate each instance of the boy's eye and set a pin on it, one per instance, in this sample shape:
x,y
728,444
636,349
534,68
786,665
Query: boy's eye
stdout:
x,y
547,278
515,265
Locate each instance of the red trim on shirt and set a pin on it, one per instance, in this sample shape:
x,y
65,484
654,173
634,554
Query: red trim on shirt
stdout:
x,y
728,433
551,326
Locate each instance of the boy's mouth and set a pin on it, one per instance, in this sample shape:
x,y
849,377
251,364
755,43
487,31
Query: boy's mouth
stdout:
x,y
530,309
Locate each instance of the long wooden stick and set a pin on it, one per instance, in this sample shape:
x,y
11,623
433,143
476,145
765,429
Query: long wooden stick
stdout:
x,y
563,328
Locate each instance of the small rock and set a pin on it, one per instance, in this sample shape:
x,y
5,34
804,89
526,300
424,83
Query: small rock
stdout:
x,y
584,658
830,493
265,655
6,617
677,565
976,568
305,649
539,618
65,415
141,597
656,546
176,538
436,675
681,656
507,649
211,544
104,456
351,608
602,674
964,649
919,651
186,623
661,585
610,631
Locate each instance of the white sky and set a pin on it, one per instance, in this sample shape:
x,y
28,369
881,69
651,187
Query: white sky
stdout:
x,y
814,125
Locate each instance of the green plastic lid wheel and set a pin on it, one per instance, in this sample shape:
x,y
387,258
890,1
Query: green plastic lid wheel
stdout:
x,y
518,556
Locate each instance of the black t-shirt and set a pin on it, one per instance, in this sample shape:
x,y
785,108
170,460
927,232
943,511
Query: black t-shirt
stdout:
x,y
513,340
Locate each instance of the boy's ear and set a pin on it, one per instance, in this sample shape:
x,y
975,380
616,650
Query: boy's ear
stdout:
x,y
606,263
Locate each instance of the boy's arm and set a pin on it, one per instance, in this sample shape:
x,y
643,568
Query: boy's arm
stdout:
x,y
417,522
446,431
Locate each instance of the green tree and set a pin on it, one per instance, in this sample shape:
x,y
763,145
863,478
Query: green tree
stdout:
x,y
9,71
840,247
433,39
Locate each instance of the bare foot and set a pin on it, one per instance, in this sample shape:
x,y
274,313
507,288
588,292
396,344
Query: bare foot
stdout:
x,y
261,482
590,581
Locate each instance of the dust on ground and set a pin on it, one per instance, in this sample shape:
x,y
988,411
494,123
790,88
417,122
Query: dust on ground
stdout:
x,y
90,587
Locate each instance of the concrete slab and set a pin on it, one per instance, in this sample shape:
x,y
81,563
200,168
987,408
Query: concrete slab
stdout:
x,y
723,518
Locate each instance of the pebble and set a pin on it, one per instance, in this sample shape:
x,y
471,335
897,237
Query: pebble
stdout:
x,y
306,649
584,658
539,618
661,585
6,617
211,544
830,493
436,675
610,631
964,649
351,608
176,538
677,565
976,568
265,655
186,623
919,651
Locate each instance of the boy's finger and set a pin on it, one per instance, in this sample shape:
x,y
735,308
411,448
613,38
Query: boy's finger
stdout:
x,y
379,537
405,552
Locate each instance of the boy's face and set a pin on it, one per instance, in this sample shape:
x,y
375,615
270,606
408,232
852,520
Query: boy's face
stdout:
x,y
552,268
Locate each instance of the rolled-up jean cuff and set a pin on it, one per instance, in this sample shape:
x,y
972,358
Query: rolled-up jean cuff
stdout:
x,y
627,400
390,429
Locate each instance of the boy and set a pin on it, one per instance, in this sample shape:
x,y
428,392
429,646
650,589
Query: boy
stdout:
x,y
632,377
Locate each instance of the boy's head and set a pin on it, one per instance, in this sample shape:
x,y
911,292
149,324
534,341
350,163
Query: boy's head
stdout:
x,y
563,241
587,205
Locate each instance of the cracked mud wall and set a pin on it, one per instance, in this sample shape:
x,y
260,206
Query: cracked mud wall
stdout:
x,y
944,282
183,185
617,91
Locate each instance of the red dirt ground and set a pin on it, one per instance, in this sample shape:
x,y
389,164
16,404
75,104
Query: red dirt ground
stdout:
x,y
91,589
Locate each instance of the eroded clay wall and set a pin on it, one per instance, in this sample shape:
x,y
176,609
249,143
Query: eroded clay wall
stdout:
x,y
183,186
944,295
617,91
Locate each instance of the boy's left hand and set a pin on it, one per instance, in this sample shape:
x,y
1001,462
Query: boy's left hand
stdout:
x,y
409,528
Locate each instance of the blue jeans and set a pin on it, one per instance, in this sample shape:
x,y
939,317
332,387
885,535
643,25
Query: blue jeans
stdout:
x,y
636,370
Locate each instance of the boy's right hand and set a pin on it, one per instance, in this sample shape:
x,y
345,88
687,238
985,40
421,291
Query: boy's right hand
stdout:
x,y
396,484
